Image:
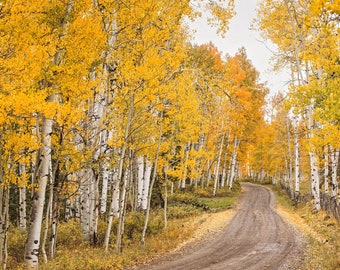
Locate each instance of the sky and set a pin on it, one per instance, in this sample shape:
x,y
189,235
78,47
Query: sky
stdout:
x,y
239,35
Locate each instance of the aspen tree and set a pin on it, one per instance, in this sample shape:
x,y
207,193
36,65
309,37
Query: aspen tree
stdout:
x,y
326,172
153,179
297,160
219,156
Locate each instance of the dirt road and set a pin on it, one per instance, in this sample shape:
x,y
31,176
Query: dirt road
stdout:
x,y
256,238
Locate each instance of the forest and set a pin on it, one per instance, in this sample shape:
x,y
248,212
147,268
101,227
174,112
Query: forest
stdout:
x,y
111,117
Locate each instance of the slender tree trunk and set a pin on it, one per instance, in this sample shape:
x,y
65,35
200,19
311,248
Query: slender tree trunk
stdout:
x,y
146,185
22,202
153,181
314,164
47,222
326,172
217,168
184,177
165,198
233,162
105,182
33,241
140,181
4,227
114,210
290,162
209,163
84,191
54,221
297,161
335,161
315,180
120,173
121,219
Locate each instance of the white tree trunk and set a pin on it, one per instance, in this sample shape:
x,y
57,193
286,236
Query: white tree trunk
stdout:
x,y
147,214
4,226
146,185
290,163
314,163
326,172
165,198
115,196
22,202
335,161
224,171
315,180
121,219
105,183
297,159
84,193
120,173
33,242
209,163
184,177
140,181
217,168
233,162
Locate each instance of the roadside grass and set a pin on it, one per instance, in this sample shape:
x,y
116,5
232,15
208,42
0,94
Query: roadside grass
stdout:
x,y
322,230
186,213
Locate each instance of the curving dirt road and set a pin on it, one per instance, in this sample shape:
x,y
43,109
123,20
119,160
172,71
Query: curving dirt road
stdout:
x,y
256,238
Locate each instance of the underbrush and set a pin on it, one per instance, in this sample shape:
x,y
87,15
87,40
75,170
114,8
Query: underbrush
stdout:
x,y
72,253
322,230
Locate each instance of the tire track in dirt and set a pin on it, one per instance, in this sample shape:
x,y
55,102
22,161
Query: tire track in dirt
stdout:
x,y
257,237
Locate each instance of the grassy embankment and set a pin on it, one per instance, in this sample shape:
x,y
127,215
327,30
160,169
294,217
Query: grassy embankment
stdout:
x,y
322,230
187,214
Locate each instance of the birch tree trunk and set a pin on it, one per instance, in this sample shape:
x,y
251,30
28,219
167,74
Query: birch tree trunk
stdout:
x,y
105,183
22,202
290,162
152,182
315,180
140,181
115,196
121,219
146,186
45,234
120,173
314,164
326,172
33,242
297,161
184,177
165,198
209,163
335,161
233,162
217,168
4,226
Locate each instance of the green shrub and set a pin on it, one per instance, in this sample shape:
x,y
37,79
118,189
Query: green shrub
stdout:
x,y
183,198
182,211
